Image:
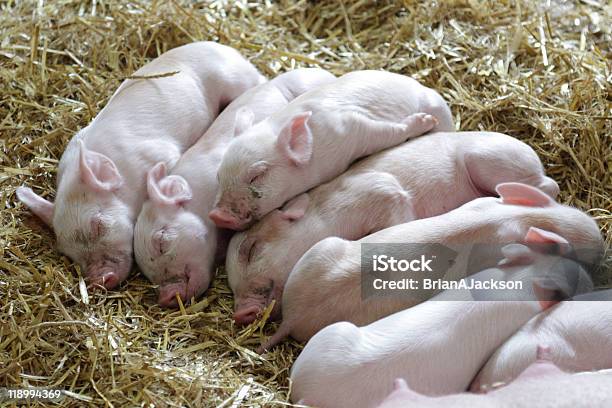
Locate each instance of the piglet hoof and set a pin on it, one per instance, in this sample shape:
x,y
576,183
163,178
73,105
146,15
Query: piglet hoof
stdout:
x,y
419,123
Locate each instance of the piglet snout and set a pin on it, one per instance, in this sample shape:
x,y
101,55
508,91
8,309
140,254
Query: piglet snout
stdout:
x,y
167,294
108,271
107,278
247,315
224,220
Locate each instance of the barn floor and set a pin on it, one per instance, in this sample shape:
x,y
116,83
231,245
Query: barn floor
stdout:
x,y
541,73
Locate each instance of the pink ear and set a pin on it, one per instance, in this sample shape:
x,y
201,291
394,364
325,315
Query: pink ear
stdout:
x,y
244,120
39,206
167,190
516,254
295,208
295,139
98,171
539,236
523,194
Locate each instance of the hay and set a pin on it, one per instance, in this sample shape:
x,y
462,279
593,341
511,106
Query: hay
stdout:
x,y
540,73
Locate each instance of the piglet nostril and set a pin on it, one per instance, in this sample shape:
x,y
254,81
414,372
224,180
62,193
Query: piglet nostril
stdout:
x,y
103,274
110,280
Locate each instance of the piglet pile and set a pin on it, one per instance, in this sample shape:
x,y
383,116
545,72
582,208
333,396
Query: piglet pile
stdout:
x,y
314,171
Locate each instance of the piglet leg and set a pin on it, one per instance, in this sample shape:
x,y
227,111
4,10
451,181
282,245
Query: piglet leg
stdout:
x,y
377,135
418,124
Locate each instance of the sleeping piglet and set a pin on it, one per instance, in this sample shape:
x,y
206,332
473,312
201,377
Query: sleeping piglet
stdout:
x,y
317,137
578,332
437,346
102,173
325,285
542,384
421,178
174,241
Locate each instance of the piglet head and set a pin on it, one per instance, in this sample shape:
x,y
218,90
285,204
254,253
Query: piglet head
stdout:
x,y
93,226
563,277
261,170
552,219
542,257
260,259
254,290
173,246
536,244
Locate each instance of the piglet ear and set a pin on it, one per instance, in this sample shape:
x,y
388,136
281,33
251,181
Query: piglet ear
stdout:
x,y
295,208
244,120
167,190
98,171
523,194
295,139
540,238
516,254
39,206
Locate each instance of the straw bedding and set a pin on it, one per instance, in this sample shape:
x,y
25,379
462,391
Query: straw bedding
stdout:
x,y
539,71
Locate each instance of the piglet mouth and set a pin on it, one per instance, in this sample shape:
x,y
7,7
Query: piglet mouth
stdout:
x,y
169,292
249,309
249,312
